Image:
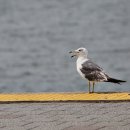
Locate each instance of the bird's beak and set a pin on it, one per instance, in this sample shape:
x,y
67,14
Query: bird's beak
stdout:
x,y
73,54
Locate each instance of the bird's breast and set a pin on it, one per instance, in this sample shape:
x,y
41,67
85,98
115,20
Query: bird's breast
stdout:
x,y
79,67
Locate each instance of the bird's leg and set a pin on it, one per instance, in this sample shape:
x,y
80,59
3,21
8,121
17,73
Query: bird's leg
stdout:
x,y
89,85
93,87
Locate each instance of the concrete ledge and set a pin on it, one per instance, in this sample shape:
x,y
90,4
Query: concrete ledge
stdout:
x,y
48,97
65,116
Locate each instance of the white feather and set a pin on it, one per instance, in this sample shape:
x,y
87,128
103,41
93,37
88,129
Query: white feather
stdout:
x,y
80,61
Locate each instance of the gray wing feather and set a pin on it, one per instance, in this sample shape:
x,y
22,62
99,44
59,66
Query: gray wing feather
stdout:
x,y
92,71
91,66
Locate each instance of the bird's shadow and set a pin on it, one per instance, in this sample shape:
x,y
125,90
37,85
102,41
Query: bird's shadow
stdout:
x,y
107,92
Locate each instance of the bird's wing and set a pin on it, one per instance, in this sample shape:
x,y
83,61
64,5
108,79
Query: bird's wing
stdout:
x,y
93,72
89,65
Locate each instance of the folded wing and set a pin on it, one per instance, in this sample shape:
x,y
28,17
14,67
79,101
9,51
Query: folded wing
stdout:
x,y
93,72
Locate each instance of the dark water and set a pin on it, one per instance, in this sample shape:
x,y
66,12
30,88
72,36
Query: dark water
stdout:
x,y
36,36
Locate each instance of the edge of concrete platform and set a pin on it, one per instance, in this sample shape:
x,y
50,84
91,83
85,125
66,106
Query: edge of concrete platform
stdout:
x,y
65,97
76,101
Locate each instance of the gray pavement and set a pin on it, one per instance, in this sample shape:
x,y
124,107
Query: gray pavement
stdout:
x,y
65,116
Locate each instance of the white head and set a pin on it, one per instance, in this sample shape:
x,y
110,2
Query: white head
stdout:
x,y
80,52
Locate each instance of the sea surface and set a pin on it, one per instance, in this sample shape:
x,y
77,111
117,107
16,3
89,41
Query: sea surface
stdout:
x,y
36,36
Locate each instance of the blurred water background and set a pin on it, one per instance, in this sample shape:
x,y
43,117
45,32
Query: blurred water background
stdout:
x,y
36,36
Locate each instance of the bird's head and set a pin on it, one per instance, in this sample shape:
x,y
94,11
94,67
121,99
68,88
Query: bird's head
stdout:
x,y
80,52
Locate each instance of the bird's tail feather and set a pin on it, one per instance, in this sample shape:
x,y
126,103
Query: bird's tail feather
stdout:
x,y
115,80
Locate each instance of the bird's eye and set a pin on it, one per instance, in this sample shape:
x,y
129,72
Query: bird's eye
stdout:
x,y
80,50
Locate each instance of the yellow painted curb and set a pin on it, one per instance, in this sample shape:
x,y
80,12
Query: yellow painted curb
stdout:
x,y
65,97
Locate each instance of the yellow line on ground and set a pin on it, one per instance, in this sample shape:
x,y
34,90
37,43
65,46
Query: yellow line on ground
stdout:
x,y
64,97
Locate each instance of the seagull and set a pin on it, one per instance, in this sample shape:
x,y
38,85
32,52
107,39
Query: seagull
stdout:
x,y
89,70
